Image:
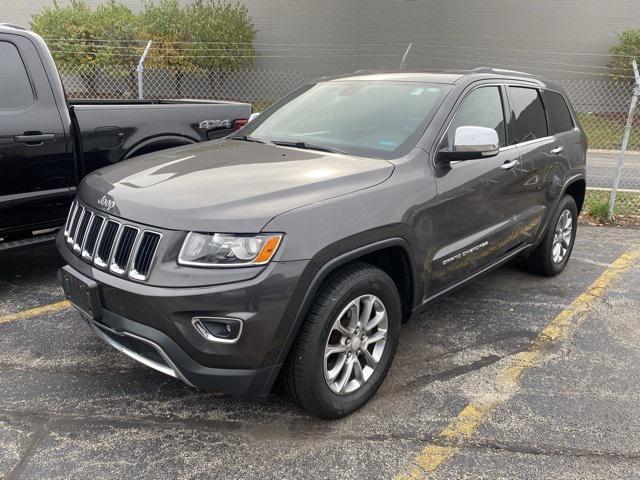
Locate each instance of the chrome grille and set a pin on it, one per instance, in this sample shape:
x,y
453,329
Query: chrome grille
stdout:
x,y
144,255
123,249
110,244
82,230
92,237
105,245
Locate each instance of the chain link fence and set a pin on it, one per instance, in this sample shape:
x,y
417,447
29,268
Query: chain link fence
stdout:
x,y
602,107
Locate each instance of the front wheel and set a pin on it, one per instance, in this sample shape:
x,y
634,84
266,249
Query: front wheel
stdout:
x,y
347,342
553,253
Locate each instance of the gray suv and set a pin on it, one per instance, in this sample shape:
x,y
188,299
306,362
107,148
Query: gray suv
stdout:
x,y
293,250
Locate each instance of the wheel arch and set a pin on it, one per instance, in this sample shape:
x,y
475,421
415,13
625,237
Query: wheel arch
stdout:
x,y
379,254
157,143
577,188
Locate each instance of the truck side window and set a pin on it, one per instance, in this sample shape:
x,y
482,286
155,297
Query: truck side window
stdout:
x,y
528,112
15,88
481,108
560,119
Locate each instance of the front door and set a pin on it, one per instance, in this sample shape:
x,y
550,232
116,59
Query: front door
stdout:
x,y
36,170
475,214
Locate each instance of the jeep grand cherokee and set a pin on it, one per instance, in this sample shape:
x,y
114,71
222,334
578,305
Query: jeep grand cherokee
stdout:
x,y
294,249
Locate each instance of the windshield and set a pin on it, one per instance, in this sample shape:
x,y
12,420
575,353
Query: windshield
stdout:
x,y
378,119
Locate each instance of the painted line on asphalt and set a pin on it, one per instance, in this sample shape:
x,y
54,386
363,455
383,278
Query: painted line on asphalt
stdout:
x,y
32,312
448,441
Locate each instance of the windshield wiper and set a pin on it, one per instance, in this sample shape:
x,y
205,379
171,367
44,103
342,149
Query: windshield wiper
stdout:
x,y
248,138
308,146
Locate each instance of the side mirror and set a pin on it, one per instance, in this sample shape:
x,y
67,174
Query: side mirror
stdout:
x,y
471,143
253,116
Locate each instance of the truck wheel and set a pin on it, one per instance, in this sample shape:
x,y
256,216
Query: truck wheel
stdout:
x,y
552,255
346,344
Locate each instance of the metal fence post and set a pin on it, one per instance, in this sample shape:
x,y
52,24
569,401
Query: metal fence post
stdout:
x,y
625,141
140,70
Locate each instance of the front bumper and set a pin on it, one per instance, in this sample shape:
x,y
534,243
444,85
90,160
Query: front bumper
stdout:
x,y
156,350
159,319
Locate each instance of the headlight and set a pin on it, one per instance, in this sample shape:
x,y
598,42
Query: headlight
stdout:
x,y
226,250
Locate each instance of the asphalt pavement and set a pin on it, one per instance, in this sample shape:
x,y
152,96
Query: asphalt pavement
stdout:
x,y
72,407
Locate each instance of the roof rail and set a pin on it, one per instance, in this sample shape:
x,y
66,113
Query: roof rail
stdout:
x,y
11,25
501,71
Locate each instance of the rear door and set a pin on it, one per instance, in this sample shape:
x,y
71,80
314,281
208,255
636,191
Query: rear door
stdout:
x,y
542,160
476,209
36,170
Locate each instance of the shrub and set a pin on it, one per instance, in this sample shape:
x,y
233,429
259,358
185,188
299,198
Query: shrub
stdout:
x,y
204,34
626,50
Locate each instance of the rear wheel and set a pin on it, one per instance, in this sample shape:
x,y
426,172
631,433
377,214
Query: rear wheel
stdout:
x,y
553,253
347,342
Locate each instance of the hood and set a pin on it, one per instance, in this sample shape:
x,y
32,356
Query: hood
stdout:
x,y
227,186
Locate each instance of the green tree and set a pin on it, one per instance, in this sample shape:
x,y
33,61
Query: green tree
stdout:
x,y
623,53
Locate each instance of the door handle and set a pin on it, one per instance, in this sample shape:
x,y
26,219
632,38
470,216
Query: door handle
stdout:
x,y
510,165
34,138
557,150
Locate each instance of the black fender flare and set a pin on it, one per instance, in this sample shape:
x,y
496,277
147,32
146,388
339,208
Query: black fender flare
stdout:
x,y
568,182
321,275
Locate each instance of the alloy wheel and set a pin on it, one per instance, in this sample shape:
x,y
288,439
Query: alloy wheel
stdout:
x,y
355,344
562,237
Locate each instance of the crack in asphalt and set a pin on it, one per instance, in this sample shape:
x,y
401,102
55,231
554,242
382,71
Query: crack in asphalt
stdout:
x,y
547,450
35,438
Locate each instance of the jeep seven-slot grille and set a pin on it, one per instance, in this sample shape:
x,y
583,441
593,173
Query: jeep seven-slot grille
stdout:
x,y
110,244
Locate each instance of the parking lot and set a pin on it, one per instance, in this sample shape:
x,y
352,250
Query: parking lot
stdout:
x,y
513,376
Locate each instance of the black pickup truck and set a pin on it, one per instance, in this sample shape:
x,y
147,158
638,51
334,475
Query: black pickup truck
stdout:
x,y
48,142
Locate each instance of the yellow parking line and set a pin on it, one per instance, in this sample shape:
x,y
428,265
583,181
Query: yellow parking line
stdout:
x,y
475,413
32,312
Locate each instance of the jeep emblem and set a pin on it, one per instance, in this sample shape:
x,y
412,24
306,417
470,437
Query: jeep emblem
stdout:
x,y
107,203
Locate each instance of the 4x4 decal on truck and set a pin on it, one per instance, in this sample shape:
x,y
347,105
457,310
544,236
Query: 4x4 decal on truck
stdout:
x,y
215,124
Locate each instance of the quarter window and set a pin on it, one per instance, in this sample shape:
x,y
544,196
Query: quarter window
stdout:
x,y
481,108
560,119
528,113
15,88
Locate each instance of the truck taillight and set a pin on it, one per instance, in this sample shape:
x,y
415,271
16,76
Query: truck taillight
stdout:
x,y
241,122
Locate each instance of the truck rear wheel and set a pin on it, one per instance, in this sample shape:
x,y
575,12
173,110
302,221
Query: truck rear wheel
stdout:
x,y
346,344
552,255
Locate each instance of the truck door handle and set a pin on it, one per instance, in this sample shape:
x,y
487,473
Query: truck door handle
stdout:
x,y
35,138
557,150
510,165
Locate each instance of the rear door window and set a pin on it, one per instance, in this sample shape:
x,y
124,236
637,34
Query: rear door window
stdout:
x,y
481,108
528,113
560,119
15,88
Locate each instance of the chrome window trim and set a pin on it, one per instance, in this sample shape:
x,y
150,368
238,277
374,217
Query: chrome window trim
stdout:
x,y
133,274
506,84
473,89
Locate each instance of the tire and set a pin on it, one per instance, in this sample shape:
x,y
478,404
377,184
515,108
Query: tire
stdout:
x,y
307,377
542,261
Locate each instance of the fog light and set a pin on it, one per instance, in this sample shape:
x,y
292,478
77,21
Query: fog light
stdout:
x,y
218,329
